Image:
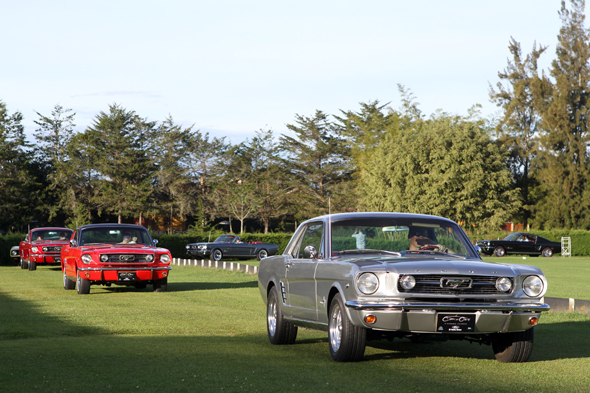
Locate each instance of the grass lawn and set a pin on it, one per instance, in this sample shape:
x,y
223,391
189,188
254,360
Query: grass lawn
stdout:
x,y
208,333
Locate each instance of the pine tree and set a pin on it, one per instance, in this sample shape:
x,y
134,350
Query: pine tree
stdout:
x,y
564,164
517,127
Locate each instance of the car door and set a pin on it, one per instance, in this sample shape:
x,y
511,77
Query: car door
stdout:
x,y
299,280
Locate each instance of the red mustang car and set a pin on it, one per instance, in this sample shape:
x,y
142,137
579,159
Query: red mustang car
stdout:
x,y
43,245
121,254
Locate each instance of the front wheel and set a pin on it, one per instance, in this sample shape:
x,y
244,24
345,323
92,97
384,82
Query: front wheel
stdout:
x,y
261,254
83,285
216,255
513,347
499,251
161,285
23,264
32,265
347,342
279,331
68,284
547,252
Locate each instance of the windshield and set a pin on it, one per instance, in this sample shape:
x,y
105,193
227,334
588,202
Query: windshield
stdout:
x,y
51,235
512,237
227,239
403,235
106,235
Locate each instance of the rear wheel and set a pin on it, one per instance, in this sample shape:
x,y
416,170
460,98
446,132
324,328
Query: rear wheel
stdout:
x,y
513,347
347,342
32,265
261,254
547,252
279,331
499,251
83,285
161,285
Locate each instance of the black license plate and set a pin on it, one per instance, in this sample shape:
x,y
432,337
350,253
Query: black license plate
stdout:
x,y
56,259
127,276
461,323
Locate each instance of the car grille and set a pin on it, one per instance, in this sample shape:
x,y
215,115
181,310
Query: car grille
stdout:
x,y
51,249
455,285
129,258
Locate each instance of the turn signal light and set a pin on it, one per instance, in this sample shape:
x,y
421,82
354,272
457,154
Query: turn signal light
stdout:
x,y
164,274
533,321
370,319
87,275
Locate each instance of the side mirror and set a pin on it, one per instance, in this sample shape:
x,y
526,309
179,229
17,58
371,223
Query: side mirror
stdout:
x,y
73,243
310,252
155,241
478,249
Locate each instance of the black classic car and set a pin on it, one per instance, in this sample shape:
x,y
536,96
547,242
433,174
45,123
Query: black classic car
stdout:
x,y
231,246
520,244
371,276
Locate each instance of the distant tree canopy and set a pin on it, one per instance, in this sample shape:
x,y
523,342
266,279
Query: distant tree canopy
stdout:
x,y
447,166
530,164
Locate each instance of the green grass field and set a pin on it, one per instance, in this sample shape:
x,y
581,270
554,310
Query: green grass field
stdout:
x,y
208,333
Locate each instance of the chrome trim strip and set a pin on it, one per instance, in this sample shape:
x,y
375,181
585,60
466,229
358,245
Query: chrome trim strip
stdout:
x,y
98,269
448,306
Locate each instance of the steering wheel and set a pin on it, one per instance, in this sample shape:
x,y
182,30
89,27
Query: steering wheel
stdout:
x,y
434,247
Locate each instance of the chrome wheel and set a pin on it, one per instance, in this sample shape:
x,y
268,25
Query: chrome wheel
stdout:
x,y
262,254
499,251
335,331
271,316
547,252
216,255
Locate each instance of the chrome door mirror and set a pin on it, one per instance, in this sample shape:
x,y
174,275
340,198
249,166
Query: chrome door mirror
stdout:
x,y
310,252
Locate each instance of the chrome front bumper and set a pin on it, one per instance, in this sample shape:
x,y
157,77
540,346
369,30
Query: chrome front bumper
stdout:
x,y
422,317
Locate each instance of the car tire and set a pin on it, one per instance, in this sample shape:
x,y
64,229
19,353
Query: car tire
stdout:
x,y
161,285
513,347
262,254
83,285
216,255
23,264
280,332
32,266
499,251
347,342
68,284
547,252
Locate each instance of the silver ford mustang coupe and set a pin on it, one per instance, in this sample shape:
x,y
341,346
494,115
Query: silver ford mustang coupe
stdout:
x,y
370,276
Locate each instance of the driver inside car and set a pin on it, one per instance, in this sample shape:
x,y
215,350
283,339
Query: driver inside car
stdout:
x,y
418,238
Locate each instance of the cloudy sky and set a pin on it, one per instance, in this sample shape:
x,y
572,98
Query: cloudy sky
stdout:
x,y
234,67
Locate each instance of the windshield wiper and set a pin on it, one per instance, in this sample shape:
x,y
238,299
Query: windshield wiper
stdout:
x,y
436,253
368,251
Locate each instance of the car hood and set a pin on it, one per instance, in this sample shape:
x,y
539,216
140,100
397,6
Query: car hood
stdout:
x,y
443,265
119,248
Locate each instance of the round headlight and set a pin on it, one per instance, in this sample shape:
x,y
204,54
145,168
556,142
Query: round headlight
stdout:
x,y
149,257
86,258
14,252
34,250
532,286
367,283
165,258
104,258
44,249
407,282
503,284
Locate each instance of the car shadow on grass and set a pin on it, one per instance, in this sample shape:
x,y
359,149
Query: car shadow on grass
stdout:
x,y
553,341
205,286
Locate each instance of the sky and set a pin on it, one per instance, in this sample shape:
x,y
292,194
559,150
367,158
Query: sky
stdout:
x,y
231,68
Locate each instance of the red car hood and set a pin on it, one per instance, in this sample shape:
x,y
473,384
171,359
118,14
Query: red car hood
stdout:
x,y
130,249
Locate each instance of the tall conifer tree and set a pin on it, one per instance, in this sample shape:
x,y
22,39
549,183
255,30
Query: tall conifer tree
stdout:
x,y
565,134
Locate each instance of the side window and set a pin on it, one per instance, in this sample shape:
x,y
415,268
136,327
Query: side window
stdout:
x,y
313,236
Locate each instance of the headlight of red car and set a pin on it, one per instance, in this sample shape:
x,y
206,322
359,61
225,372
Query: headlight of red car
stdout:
x,y
86,258
165,258
34,250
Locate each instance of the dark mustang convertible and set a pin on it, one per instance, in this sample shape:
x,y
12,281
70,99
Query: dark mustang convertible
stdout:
x,y
231,246
520,243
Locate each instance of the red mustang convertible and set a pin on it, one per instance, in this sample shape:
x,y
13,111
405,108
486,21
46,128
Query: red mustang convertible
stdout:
x,y
121,254
43,245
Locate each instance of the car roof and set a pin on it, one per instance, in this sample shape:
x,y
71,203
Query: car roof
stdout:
x,y
347,216
50,229
107,225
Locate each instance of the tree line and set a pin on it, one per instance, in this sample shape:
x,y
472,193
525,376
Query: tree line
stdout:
x,y
530,164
